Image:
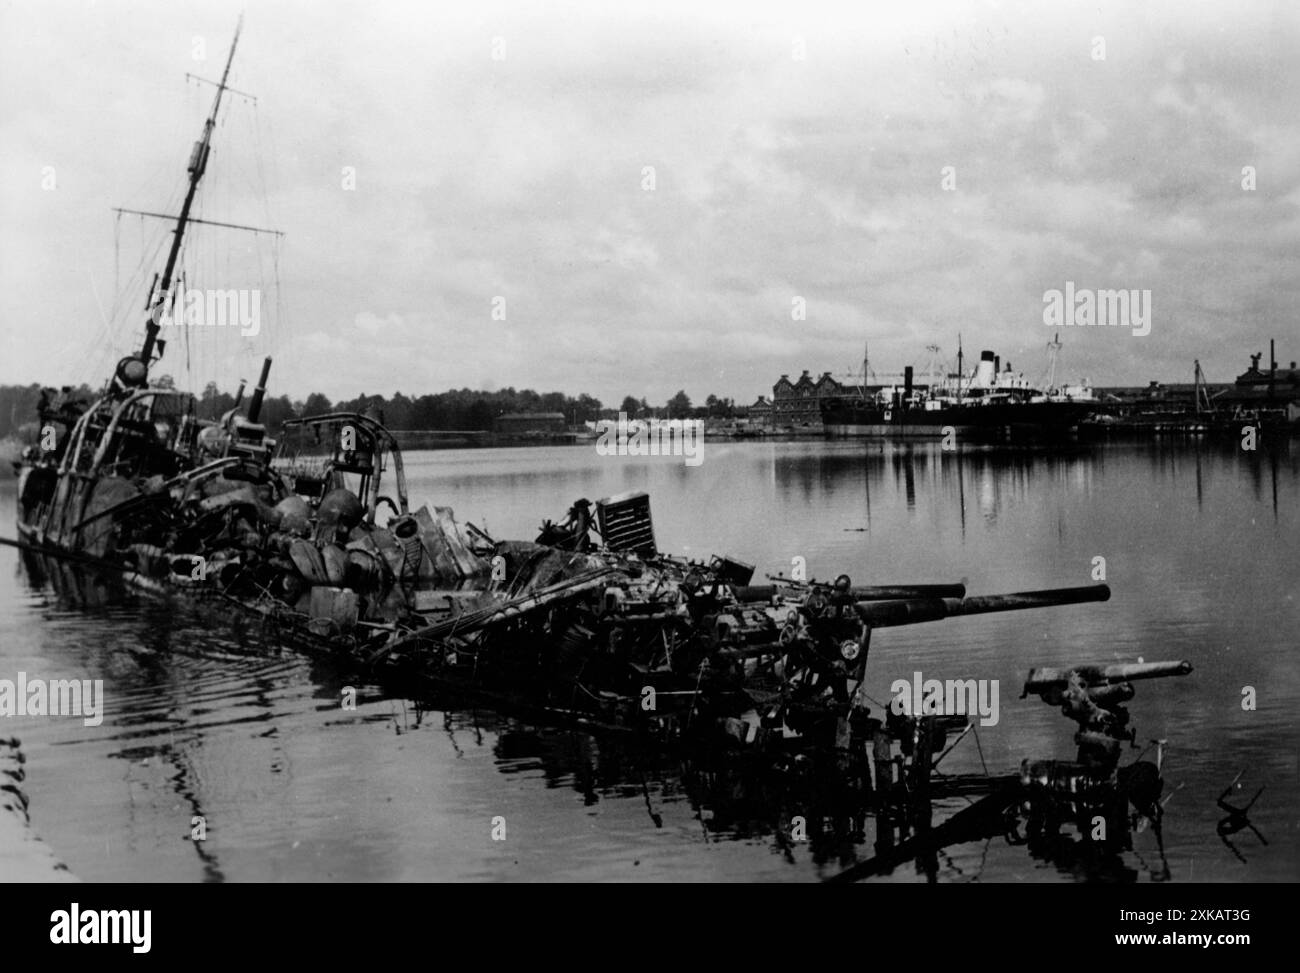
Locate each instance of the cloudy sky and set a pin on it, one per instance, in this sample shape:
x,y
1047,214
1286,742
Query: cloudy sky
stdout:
x,y
798,151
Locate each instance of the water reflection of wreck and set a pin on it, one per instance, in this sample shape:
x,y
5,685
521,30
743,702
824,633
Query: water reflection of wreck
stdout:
x,y
857,816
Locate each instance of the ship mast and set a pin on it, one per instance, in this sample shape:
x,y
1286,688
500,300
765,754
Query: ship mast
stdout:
x,y
936,371
198,163
1053,350
1201,391
959,366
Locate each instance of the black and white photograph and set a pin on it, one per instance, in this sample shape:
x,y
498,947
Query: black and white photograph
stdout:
x,y
650,442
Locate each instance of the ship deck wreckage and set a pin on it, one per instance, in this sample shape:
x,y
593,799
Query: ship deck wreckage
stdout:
x,y
314,534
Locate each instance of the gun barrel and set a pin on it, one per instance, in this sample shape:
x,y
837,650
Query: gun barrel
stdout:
x,y
255,406
912,611
765,592
1146,670
891,592
1048,678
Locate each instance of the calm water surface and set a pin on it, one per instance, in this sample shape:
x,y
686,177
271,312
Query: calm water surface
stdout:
x,y
1201,551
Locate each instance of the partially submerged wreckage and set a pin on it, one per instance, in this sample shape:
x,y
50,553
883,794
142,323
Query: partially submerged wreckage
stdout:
x,y
315,533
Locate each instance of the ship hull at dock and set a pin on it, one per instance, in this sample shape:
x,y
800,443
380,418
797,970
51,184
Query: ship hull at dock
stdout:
x,y
1029,422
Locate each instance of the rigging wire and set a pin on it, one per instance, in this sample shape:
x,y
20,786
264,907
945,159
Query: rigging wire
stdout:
x,y
117,262
981,751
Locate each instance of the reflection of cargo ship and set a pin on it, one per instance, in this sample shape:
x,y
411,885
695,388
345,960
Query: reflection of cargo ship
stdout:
x,y
989,406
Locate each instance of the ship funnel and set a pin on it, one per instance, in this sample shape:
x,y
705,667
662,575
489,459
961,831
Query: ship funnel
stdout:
x,y
984,374
255,406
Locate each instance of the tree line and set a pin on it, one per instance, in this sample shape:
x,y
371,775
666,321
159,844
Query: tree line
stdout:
x,y
455,409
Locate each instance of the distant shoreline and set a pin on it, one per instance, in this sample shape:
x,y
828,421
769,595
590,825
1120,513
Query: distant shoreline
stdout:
x,y
410,441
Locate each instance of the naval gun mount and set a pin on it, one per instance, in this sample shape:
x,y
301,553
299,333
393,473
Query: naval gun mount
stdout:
x,y
1094,783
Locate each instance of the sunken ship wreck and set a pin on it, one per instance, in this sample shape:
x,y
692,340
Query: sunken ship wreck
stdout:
x,y
313,533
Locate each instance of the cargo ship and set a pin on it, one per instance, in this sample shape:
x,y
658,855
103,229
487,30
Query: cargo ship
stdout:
x,y
990,406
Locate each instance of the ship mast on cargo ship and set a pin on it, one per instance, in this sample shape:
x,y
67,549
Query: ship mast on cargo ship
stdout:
x,y
959,366
1053,351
